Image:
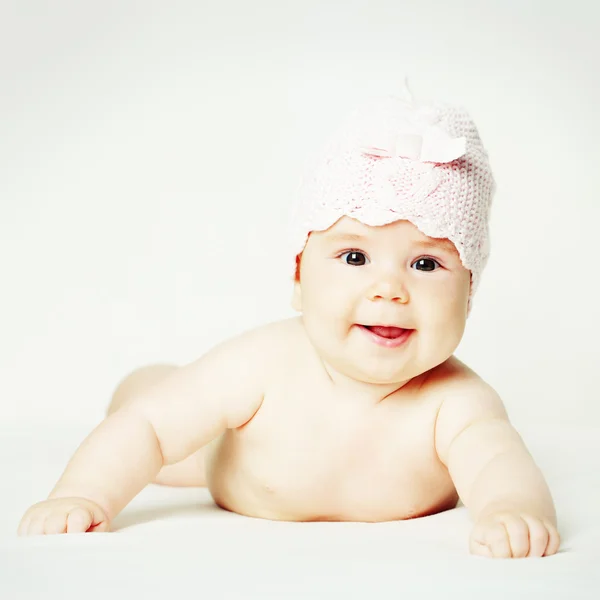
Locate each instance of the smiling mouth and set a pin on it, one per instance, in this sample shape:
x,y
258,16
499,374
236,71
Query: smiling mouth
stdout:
x,y
387,336
386,331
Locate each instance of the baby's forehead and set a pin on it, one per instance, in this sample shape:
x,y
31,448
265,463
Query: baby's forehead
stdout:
x,y
350,230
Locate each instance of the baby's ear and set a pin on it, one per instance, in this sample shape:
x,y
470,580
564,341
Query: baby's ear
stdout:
x,y
297,297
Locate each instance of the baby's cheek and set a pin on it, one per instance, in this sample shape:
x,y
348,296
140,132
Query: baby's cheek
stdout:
x,y
328,299
452,330
443,325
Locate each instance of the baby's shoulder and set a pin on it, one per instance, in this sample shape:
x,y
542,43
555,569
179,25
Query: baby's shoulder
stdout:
x,y
463,397
269,344
279,335
244,365
459,388
452,375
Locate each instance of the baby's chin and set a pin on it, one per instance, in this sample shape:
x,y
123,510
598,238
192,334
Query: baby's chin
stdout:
x,y
381,375
395,370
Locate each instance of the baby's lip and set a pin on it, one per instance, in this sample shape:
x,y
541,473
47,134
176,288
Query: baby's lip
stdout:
x,y
382,325
389,336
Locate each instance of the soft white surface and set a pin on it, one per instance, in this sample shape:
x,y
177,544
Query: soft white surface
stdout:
x,y
176,541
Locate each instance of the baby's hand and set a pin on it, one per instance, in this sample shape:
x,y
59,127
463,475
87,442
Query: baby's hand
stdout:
x,y
63,515
513,535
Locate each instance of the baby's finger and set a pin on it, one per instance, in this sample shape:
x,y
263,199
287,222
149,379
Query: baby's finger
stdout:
x,y
498,541
479,549
55,523
24,525
99,527
538,536
100,521
553,539
36,525
27,518
518,535
494,536
79,520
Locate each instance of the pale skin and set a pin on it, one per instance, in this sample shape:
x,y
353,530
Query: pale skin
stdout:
x,y
307,419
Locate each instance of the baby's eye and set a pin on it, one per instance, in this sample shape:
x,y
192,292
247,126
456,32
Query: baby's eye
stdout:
x,y
354,258
425,264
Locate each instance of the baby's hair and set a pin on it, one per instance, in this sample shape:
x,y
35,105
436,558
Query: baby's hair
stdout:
x,y
297,271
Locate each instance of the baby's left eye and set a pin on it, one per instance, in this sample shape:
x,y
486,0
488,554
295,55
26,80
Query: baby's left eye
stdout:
x,y
425,264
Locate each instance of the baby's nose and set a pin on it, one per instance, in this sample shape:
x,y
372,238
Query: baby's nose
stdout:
x,y
390,288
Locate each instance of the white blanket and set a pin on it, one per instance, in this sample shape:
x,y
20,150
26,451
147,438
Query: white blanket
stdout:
x,y
175,543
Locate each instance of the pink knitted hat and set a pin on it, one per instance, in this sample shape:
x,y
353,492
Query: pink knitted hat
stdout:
x,y
396,159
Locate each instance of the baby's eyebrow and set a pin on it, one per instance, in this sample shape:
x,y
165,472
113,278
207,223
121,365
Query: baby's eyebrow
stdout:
x,y
433,243
442,244
345,237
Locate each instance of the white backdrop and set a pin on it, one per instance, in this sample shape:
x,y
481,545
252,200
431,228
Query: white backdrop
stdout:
x,y
148,151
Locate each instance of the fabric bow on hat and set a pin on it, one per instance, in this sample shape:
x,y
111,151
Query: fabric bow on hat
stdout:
x,y
425,142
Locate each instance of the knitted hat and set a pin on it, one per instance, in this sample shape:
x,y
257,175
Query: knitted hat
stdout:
x,y
397,159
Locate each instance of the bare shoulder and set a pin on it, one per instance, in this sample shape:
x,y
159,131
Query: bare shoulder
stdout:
x,y
227,382
265,343
248,360
464,399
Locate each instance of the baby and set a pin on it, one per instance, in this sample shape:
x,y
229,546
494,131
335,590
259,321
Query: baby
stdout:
x,y
356,410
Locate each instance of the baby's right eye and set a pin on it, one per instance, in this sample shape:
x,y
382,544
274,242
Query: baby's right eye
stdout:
x,y
355,258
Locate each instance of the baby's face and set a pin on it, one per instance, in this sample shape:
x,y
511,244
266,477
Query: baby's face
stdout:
x,y
353,275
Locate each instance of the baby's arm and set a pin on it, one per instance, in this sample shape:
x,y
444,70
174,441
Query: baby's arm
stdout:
x,y
494,474
223,389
